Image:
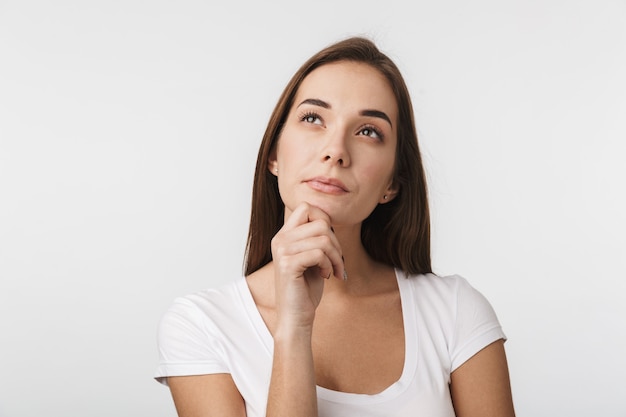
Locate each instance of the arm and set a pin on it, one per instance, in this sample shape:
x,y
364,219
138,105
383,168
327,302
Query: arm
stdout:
x,y
206,396
481,387
305,251
292,386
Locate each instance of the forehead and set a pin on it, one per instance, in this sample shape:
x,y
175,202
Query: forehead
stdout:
x,y
351,85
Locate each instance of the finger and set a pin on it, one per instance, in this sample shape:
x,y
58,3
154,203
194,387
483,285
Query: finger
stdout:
x,y
298,263
325,243
307,230
305,213
308,220
310,236
290,247
320,265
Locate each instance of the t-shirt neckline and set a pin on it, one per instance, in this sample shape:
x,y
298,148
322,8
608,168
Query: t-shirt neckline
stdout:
x,y
410,341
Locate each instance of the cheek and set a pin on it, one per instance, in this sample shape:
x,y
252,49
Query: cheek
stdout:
x,y
379,172
289,141
289,156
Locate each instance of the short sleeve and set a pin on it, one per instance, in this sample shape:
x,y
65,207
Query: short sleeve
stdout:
x,y
476,324
187,343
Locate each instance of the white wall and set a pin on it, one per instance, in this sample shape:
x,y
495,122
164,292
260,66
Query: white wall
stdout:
x,y
128,136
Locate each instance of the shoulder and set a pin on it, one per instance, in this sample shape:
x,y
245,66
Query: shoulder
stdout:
x,y
211,297
194,330
436,288
452,293
450,306
203,310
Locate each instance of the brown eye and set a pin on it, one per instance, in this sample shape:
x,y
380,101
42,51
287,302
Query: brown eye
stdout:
x,y
311,118
371,132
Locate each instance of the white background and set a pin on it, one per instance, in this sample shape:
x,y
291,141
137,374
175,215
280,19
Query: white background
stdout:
x,y
128,138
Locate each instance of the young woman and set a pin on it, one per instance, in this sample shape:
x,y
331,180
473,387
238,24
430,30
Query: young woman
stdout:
x,y
339,313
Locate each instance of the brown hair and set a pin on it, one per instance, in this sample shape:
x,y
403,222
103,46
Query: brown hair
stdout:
x,y
396,233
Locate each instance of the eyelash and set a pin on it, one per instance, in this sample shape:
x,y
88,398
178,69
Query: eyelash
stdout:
x,y
373,129
306,115
309,114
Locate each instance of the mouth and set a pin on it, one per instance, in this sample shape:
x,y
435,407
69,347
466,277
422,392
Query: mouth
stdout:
x,y
327,185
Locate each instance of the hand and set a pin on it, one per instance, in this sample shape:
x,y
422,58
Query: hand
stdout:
x,y
305,252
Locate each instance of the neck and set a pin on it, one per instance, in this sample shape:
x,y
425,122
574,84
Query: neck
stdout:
x,y
364,274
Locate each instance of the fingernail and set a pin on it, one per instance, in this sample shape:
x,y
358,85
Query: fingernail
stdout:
x,y
345,275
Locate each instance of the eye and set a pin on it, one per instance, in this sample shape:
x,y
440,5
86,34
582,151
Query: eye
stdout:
x,y
372,132
312,118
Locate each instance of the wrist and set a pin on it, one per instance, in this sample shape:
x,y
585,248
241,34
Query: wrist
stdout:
x,y
292,335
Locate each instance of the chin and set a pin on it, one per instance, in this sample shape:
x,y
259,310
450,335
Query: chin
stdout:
x,y
340,211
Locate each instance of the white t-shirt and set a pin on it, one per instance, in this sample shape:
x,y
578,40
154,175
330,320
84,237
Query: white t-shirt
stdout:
x,y
446,321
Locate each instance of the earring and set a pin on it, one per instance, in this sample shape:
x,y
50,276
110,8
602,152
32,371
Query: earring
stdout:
x,y
276,170
385,197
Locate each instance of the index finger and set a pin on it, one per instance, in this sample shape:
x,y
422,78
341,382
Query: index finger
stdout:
x,y
305,213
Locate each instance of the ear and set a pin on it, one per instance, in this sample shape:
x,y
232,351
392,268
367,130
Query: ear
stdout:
x,y
272,163
390,193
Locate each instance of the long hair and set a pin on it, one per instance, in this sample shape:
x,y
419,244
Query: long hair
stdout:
x,y
396,233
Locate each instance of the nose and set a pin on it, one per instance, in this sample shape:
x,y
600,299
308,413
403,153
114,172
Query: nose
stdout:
x,y
335,150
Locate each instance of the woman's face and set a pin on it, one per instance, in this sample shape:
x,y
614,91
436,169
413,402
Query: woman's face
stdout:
x,y
337,147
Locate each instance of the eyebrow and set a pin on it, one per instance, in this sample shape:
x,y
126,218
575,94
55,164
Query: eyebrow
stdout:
x,y
376,113
368,112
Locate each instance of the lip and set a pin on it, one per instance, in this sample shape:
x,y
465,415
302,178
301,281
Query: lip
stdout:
x,y
327,185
